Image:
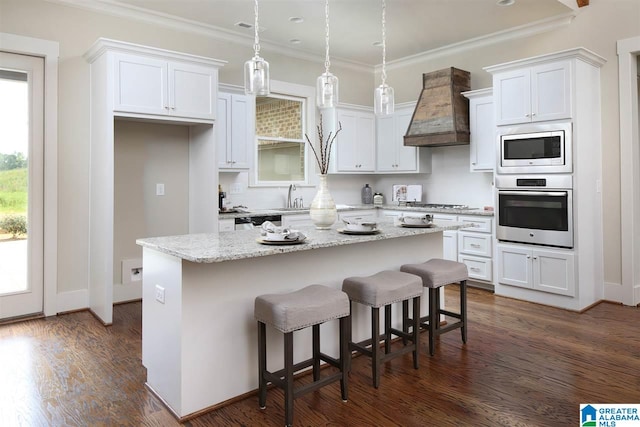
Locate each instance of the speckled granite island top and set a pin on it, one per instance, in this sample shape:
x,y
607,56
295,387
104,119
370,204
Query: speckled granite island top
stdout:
x,y
241,244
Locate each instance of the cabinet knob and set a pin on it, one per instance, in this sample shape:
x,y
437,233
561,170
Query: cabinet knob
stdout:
x,y
533,114
528,256
473,163
535,257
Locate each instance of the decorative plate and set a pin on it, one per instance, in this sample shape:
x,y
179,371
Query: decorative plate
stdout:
x,y
280,242
418,225
357,232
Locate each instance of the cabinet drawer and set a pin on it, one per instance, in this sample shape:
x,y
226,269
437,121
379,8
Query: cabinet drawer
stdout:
x,y
479,268
444,218
474,243
477,224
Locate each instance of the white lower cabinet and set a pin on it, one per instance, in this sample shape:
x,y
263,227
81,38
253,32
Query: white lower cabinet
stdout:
x,y
471,245
549,270
450,245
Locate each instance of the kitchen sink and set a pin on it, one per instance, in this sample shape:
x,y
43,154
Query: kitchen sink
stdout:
x,y
290,209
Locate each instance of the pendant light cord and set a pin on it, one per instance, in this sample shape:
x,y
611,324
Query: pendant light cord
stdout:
x,y
327,63
256,40
384,43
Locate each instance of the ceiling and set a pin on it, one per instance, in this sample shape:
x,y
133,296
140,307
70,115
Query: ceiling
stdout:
x,y
413,26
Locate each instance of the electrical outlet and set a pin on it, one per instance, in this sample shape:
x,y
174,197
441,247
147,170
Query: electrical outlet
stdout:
x,y
160,294
159,189
136,274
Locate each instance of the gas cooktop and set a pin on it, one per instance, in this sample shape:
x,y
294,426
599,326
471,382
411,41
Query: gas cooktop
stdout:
x,y
435,205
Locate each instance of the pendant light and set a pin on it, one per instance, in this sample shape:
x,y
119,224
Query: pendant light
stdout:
x,y
384,103
256,70
327,84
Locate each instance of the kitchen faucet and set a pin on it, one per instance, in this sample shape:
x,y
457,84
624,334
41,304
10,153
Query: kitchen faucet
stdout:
x,y
292,187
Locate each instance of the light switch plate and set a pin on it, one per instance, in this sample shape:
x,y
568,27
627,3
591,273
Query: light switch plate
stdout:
x,y
159,189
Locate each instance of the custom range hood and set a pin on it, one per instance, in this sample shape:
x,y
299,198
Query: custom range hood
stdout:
x,y
441,116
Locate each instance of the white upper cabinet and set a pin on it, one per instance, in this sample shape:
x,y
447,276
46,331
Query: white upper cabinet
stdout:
x,y
483,130
234,131
391,153
354,149
155,86
533,94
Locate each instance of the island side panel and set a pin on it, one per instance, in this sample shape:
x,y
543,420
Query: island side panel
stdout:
x,y
219,333
162,326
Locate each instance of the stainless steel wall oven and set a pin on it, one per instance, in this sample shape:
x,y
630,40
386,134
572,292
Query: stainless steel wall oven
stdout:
x,y
535,209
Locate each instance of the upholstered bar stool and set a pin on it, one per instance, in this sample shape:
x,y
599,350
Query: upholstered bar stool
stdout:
x,y
436,273
310,306
382,290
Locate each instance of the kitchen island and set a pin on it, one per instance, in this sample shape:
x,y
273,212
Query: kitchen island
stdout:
x,y
199,337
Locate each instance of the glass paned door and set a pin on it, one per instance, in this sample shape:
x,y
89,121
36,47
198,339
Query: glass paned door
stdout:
x,y
21,184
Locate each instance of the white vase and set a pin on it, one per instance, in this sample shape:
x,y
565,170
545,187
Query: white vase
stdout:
x,y
323,209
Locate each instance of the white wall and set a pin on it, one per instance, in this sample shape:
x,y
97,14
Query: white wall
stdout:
x,y
147,154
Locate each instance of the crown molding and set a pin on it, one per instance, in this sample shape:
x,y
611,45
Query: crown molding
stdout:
x,y
170,21
514,33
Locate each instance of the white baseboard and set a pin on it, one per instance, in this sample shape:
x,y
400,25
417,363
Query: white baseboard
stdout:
x,y
128,292
79,300
72,300
613,292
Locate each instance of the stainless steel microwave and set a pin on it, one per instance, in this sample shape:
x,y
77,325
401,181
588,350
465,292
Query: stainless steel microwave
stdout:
x,y
536,148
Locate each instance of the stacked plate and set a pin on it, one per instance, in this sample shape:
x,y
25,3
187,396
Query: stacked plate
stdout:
x,y
358,226
274,235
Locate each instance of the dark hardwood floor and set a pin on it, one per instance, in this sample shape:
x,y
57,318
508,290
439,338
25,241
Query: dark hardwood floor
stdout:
x,y
523,365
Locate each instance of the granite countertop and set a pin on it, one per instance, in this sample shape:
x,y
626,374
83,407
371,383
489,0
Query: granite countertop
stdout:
x,y
241,244
346,208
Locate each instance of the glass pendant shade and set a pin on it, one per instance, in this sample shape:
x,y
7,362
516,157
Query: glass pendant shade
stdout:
x,y
327,91
384,103
256,77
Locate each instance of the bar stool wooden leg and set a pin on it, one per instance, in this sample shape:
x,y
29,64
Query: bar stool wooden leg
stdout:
x,y
463,310
375,345
288,378
387,329
405,319
434,318
349,339
316,352
416,330
262,365
345,356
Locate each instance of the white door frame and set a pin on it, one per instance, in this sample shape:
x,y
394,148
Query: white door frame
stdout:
x,y
628,50
48,50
